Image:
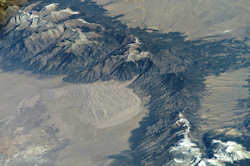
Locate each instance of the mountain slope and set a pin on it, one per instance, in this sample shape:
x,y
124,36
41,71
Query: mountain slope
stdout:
x,y
78,40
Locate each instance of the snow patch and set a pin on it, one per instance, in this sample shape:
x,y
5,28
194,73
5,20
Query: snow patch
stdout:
x,y
133,54
187,153
227,31
229,151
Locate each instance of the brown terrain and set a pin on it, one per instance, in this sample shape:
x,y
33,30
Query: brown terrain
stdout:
x,y
8,8
80,88
196,18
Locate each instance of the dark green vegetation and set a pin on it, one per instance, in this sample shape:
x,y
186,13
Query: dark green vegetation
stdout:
x,y
172,76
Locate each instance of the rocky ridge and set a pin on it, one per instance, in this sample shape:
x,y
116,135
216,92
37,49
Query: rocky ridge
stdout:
x,y
89,47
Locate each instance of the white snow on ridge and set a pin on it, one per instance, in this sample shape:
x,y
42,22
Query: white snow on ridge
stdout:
x,y
230,151
51,7
187,153
133,54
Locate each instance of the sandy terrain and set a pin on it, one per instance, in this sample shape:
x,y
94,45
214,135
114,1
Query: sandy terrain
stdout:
x,y
44,118
196,18
219,106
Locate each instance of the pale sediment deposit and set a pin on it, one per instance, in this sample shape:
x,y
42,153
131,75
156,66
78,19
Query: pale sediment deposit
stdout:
x,y
219,105
45,121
